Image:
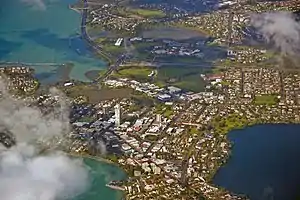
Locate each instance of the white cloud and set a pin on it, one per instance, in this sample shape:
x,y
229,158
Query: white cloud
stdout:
x,y
26,175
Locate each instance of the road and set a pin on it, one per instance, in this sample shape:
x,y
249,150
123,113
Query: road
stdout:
x,y
111,68
98,48
85,35
83,29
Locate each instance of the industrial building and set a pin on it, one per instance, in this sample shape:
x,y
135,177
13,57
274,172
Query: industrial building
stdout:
x,y
119,42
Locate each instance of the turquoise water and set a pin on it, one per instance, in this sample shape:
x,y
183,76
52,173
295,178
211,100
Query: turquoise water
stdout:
x,y
264,164
101,174
33,35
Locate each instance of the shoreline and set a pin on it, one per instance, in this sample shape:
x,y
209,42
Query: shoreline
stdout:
x,y
92,74
210,181
96,158
106,161
229,143
90,43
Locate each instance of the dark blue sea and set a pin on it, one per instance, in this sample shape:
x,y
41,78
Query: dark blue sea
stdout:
x,y
49,34
265,163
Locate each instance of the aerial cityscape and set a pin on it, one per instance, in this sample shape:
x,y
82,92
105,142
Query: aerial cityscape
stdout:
x,y
149,99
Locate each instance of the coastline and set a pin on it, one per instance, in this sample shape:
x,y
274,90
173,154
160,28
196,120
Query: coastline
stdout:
x,y
230,144
244,151
84,34
100,159
106,161
64,72
92,74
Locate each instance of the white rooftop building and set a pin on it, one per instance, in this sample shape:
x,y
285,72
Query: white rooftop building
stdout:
x,y
174,90
119,42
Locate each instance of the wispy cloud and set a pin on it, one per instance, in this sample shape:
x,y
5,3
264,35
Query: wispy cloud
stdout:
x,y
279,29
25,174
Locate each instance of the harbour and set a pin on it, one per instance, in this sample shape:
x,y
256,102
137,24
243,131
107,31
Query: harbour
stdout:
x,y
34,37
263,164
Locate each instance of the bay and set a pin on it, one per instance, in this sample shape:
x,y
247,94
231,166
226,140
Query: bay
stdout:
x,y
51,35
264,164
100,174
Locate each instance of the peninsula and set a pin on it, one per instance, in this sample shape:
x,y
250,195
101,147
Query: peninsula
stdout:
x,y
162,109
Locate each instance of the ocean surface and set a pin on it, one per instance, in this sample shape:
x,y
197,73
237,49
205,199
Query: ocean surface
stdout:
x,y
32,34
265,163
101,174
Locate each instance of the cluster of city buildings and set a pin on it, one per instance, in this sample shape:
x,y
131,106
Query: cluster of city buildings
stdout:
x,y
235,54
176,156
289,5
173,48
110,18
229,26
172,10
19,79
223,25
150,89
193,145
248,55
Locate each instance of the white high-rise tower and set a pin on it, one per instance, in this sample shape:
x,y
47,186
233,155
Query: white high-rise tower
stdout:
x,y
118,115
158,118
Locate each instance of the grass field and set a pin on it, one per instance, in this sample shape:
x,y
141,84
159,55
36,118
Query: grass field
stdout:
x,y
111,48
134,72
191,83
224,125
147,13
266,100
183,77
96,95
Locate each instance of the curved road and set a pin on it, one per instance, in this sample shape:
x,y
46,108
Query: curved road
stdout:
x,y
96,47
83,28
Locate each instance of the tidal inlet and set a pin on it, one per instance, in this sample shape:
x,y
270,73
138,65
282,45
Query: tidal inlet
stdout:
x,y
25,174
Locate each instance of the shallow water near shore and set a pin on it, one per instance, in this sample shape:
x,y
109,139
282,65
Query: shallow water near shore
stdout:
x,y
264,164
32,35
100,174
